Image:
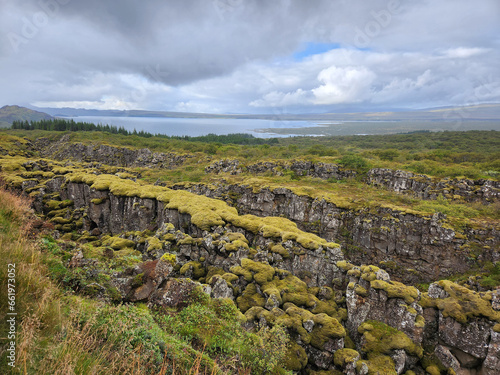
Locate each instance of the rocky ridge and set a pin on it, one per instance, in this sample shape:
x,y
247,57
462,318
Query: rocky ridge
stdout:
x,y
342,318
109,155
416,247
424,187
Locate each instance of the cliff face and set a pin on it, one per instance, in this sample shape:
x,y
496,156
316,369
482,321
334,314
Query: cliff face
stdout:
x,y
416,248
424,187
324,171
341,317
109,155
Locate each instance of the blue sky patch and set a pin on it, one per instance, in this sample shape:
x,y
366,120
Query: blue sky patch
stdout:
x,y
313,48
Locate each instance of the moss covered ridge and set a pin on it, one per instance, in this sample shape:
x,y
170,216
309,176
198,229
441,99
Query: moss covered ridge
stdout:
x,y
461,303
205,212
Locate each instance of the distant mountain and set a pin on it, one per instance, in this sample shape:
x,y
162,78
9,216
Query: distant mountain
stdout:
x,y
10,113
479,112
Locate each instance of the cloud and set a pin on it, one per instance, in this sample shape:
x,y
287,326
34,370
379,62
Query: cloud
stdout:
x,y
238,56
343,85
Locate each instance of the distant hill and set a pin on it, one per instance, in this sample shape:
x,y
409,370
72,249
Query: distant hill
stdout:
x,y
479,112
10,113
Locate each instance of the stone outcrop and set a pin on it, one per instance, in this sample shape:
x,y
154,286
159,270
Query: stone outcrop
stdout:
x,y
415,248
321,170
341,317
109,155
424,187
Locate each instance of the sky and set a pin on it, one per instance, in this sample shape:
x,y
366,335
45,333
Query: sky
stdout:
x,y
249,56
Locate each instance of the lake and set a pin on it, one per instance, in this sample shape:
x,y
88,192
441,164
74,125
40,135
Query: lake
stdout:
x,y
197,126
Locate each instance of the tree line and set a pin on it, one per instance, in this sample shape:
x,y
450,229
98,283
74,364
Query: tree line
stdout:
x,y
72,125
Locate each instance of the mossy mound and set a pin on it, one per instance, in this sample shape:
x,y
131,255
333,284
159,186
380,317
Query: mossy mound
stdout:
x,y
461,303
380,338
396,289
117,243
205,212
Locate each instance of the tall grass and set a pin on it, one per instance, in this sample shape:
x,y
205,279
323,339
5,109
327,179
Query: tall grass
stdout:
x,y
59,332
65,334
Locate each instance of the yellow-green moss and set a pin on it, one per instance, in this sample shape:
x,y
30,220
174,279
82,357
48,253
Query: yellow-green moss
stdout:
x,y
98,201
433,370
240,271
117,243
420,321
396,289
236,245
230,278
234,236
346,266
279,249
250,298
381,338
343,357
169,258
378,365
461,304
296,357
360,290
325,328
154,244
262,273
198,269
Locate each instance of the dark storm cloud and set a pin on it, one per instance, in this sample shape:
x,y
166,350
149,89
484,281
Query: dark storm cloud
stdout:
x,y
236,55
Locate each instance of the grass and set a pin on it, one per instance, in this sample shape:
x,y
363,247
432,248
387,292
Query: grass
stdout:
x,y
473,154
59,332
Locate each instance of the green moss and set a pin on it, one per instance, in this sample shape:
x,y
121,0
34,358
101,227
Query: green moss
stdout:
x,y
250,298
296,357
213,271
262,273
461,304
326,307
154,244
236,245
344,356
60,220
325,328
169,237
420,321
360,290
356,272
279,249
381,338
98,201
235,236
138,280
396,289
240,271
196,267
346,266
378,365
433,370
117,243
230,278
169,258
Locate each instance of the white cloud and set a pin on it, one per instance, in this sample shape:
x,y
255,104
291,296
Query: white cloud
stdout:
x,y
343,85
464,52
196,56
